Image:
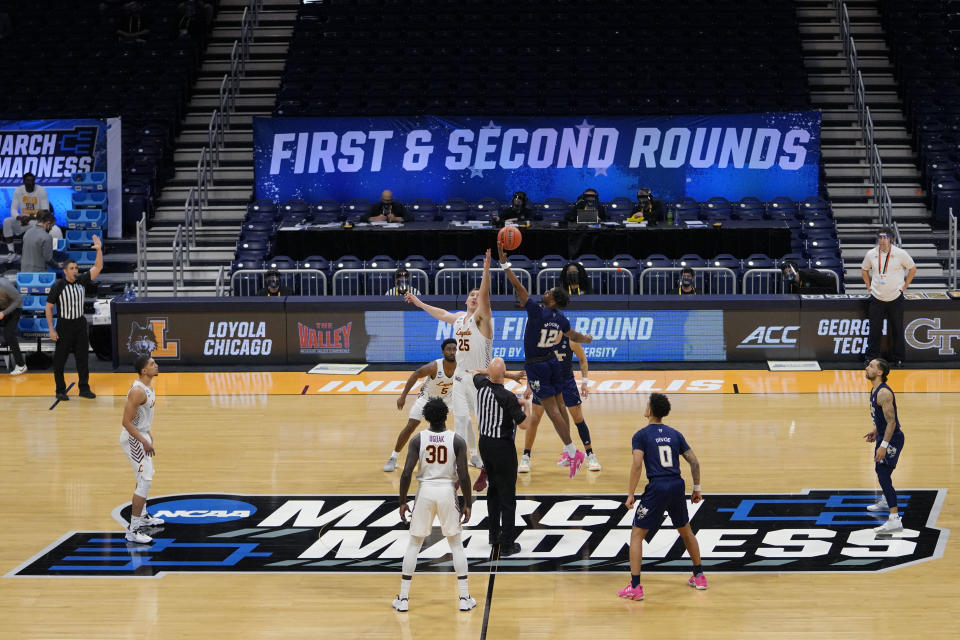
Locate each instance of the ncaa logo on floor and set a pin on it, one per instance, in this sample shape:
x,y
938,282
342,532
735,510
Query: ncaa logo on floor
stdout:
x,y
823,530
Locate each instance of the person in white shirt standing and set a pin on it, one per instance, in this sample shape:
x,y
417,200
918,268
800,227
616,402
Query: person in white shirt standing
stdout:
x,y
138,444
28,200
442,456
887,271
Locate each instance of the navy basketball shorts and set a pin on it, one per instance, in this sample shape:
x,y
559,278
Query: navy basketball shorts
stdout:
x,y
663,495
893,450
571,393
545,378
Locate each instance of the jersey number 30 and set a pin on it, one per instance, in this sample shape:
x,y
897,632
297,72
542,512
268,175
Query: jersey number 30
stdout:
x,y
436,454
548,338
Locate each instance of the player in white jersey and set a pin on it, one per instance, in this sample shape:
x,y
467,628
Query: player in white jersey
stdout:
x,y
138,445
473,331
442,456
439,384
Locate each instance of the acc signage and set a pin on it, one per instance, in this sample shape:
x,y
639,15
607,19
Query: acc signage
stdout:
x,y
813,531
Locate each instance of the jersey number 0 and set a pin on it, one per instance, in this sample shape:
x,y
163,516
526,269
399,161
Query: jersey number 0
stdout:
x,y
436,454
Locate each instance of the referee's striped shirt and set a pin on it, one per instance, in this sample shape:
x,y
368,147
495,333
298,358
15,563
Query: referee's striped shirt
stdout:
x,y
68,296
498,410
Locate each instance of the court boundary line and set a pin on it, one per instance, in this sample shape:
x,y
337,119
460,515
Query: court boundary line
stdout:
x,y
488,604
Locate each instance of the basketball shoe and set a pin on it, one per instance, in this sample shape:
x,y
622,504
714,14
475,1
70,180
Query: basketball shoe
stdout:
x,y
467,603
892,525
576,461
391,464
592,463
138,537
401,604
564,460
879,506
524,466
147,520
698,582
631,593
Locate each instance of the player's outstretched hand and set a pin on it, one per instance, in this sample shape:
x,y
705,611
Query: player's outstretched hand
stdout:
x,y
696,497
465,514
629,502
589,338
871,437
412,299
97,244
501,255
486,259
400,401
404,510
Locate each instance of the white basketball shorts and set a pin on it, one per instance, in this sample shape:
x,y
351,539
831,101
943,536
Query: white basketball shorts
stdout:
x,y
435,500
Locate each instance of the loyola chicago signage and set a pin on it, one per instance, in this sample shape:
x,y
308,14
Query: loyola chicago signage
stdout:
x,y
764,155
813,531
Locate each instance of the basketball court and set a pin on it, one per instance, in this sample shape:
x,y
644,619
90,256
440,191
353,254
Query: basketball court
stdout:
x,y
788,548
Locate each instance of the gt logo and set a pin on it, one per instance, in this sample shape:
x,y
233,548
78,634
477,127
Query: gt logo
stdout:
x,y
937,338
772,337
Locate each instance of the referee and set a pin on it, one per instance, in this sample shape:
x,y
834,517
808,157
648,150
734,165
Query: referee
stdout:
x,y
499,415
70,335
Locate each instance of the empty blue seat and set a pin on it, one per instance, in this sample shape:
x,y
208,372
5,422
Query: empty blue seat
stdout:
x,y
35,303
84,238
782,206
31,282
28,326
296,206
347,262
83,258
357,209
552,261
483,209
281,262
691,260
90,181
244,262
262,206
423,210
759,261
656,261
520,261
591,261
318,263
448,261
381,262
725,261
88,200
624,261
86,219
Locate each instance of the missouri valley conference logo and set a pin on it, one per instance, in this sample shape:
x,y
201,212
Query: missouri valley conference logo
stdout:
x,y
816,530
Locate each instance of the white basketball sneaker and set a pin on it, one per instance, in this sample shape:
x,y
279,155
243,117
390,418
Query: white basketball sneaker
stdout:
x,y
524,466
401,604
19,370
147,520
879,506
138,536
391,464
476,461
592,463
467,603
892,525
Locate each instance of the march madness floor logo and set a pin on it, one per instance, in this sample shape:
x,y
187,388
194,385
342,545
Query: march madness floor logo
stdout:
x,y
816,530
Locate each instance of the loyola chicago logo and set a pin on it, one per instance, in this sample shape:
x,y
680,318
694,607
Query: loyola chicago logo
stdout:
x,y
202,511
823,531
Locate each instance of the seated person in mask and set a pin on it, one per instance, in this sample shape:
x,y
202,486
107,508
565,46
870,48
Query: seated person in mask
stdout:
x,y
387,210
519,209
574,279
647,209
273,285
809,281
588,201
401,284
687,286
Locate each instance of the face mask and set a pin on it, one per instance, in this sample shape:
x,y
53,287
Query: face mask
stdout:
x,y
573,277
790,275
273,283
686,281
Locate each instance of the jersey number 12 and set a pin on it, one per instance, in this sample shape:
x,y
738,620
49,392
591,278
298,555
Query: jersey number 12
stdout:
x,y
548,338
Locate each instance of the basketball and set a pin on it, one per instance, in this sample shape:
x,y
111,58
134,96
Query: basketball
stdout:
x,y
509,237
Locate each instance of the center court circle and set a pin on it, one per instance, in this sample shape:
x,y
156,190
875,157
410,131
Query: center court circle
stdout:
x,y
202,510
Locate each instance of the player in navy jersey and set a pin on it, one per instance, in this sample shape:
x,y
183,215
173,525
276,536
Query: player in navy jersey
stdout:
x,y
546,325
565,350
660,448
889,442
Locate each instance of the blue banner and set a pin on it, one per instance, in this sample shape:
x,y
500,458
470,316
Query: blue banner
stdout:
x,y
764,155
52,150
619,336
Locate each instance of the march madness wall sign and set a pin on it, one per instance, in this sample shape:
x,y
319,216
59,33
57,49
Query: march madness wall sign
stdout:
x,y
812,531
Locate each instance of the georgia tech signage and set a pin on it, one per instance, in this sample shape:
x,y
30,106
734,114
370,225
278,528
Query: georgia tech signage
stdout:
x,y
925,333
812,531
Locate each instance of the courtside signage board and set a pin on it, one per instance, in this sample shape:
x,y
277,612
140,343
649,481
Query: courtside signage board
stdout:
x,y
811,531
764,155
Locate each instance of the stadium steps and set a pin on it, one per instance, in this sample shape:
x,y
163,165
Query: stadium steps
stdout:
x,y
233,178
843,153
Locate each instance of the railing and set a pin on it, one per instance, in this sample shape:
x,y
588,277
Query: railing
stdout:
x,y
249,282
770,281
376,282
221,283
455,282
141,274
606,280
879,191
179,253
661,281
952,245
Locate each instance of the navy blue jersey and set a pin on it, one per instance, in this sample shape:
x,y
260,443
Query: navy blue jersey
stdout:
x,y
876,411
565,355
662,447
543,330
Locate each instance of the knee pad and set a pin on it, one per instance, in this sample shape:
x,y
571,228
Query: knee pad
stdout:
x,y
143,486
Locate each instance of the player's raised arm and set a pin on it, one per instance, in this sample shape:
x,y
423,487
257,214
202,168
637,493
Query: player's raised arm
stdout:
x,y
522,294
636,468
576,336
483,300
691,458
436,312
413,456
429,369
135,398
